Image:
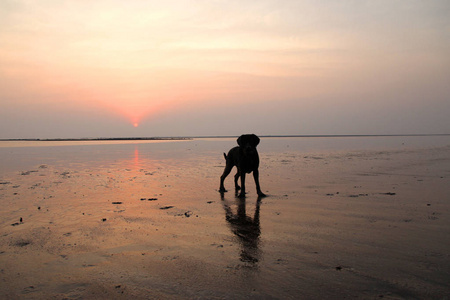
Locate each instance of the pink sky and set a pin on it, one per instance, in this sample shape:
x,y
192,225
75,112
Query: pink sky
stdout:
x,y
97,68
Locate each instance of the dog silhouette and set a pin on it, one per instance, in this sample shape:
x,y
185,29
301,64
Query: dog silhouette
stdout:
x,y
246,159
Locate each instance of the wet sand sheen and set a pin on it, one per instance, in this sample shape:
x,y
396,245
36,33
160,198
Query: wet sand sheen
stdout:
x,y
336,224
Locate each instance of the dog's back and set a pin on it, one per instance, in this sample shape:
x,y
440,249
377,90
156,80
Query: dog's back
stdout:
x,y
233,156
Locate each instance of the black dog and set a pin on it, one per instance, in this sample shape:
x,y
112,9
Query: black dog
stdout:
x,y
246,159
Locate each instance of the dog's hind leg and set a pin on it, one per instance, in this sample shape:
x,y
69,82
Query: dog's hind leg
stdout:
x,y
227,171
236,178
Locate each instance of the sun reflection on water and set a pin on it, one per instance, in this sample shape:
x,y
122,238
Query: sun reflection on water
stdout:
x,y
136,156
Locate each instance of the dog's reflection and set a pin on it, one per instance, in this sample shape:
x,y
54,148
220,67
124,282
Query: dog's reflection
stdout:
x,y
246,229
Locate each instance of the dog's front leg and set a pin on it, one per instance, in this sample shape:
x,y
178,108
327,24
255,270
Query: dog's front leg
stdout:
x,y
242,194
258,188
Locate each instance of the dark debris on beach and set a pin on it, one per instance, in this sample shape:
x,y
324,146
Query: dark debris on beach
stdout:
x,y
167,207
149,199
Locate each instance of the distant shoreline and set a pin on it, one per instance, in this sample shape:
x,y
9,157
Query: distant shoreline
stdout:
x,y
216,137
99,139
326,135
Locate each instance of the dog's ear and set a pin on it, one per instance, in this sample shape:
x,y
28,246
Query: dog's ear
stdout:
x,y
240,140
254,140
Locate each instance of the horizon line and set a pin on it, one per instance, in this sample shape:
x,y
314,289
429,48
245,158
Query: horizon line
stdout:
x,y
214,136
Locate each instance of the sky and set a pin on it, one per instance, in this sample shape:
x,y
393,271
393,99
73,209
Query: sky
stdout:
x,y
113,68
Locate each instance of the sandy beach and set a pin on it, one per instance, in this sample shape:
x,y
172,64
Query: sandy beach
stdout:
x,y
146,221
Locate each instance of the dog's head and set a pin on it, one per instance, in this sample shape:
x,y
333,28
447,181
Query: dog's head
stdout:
x,y
248,143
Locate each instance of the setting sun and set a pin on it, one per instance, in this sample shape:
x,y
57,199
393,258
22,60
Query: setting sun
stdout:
x,y
135,124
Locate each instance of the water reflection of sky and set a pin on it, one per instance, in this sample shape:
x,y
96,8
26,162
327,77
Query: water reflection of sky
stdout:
x,y
138,152
13,159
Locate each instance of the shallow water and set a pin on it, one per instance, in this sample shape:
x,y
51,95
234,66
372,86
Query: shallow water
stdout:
x,y
19,156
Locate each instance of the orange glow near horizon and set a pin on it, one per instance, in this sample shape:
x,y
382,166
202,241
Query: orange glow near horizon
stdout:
x,y
134,113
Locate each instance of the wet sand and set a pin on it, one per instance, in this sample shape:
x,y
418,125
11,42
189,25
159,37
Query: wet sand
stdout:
x,y
343,224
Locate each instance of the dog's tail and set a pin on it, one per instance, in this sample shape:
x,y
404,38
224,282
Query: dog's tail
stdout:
x,y
224,155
